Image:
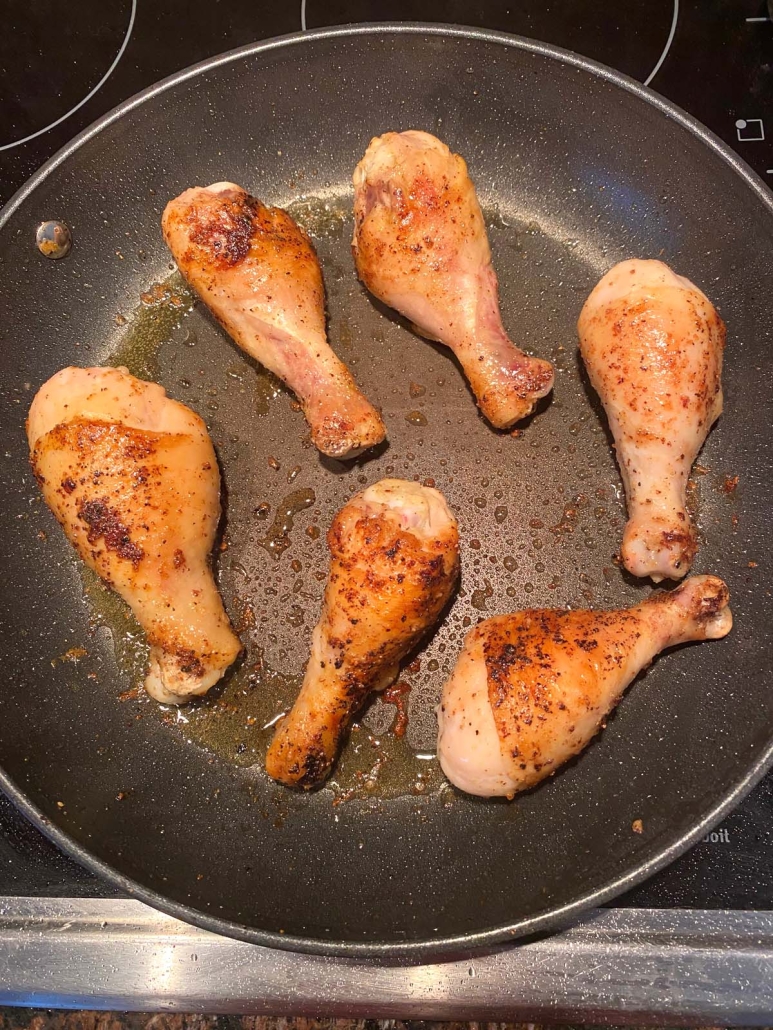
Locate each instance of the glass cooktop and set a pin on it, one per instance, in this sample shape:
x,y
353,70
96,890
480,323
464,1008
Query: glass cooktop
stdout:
x,y
64,65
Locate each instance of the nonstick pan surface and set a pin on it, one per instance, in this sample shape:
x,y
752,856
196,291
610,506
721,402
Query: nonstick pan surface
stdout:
x,y
576,168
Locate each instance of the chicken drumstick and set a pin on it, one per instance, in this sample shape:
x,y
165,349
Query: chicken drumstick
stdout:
x,y
257,271
394,564
132,477
652,344
531,689
420,246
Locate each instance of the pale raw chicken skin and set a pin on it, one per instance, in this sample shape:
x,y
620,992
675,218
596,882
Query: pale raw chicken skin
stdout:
x,y
394,565
652,343
421,247
530,690
132,477
258,273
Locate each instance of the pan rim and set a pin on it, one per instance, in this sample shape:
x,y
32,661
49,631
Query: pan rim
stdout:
x,y
458,944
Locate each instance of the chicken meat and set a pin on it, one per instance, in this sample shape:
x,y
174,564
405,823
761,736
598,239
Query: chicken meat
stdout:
x,y
652,344
531,689
258,273
394,565
420,246
132,477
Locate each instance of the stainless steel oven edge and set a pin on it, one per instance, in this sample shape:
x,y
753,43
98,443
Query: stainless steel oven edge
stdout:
x,y
614,965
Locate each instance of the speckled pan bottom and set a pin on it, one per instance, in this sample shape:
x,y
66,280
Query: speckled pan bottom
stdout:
x,y
525,542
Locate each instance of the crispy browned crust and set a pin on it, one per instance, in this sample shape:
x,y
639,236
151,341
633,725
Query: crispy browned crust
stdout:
x,y
102,480
225,229
104,522
386,588
101,468
225,234
382,573
524,687
678,393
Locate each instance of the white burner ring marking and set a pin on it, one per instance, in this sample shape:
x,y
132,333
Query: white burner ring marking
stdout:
x,y
667,47
89,95
647,81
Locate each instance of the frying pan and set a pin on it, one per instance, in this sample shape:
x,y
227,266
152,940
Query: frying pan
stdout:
x,y
576,167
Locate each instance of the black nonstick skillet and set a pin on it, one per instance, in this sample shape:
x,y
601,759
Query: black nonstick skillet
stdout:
x,y
576,167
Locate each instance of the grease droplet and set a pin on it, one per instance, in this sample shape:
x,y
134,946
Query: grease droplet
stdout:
x,y
480,596
416,418
277,540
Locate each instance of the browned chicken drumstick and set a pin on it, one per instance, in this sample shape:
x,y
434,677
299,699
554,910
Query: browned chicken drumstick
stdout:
x,y
394,564
652,343
132,477
420,246
258,273
531,689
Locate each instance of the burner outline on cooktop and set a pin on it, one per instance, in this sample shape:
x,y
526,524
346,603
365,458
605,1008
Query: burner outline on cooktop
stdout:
x,y
647,81
89,95
667,47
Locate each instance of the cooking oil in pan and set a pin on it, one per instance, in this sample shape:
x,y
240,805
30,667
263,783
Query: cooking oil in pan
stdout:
x,y
383,766
231,721
160,319
158,316
277,539
108,610
236,720
330,218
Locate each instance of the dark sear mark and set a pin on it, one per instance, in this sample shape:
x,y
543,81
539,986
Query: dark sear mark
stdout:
x,y
226,232
103,521
686,540
315,768
713,604
190,663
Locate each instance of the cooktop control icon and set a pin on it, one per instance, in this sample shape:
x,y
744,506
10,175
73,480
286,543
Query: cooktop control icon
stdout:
x,y
750,130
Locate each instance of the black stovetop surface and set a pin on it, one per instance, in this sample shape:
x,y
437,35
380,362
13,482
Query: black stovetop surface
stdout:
x,y
62,65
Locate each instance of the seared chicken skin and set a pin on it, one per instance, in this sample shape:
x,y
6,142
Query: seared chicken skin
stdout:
x,y
394,564
531,689
132,477
257,271
420,246
653,344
